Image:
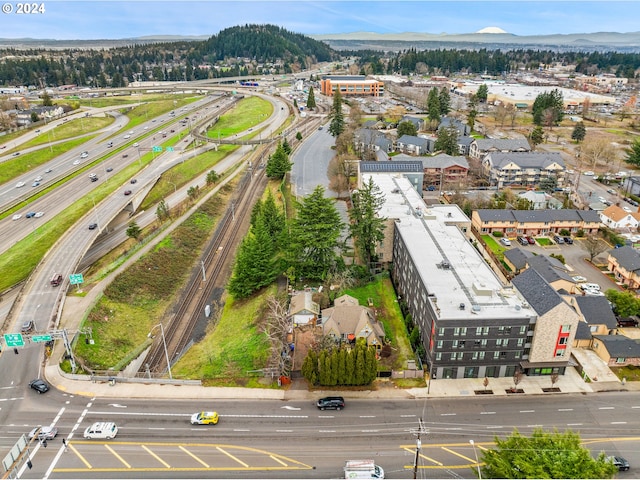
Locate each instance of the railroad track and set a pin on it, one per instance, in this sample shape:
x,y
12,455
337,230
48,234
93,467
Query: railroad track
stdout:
x,y
215,260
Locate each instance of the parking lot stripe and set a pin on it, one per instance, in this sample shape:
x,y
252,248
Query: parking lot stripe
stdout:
x,y
82,459
192,456
115,454
458,454
156,456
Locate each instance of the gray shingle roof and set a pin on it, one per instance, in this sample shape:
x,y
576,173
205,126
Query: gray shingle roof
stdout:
x,y
596,311
413,140
518,257
628,257
506,144
524,160
548,215
583,332
620,346
550,269
536,291
444,161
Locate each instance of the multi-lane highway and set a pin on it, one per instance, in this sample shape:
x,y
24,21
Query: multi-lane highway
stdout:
x,y
293,439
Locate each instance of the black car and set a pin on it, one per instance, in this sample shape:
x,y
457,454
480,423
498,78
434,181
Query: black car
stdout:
x,y
335,403
522,241
568,240
133,180
620,462
93,226
39,386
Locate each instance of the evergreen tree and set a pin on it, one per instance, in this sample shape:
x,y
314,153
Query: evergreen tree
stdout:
x,y
579,132
46,100
133,231
342,366
371,365
537,136
162,212
315,234
278,164
311,99
336,127
447,141
548,108
323,378
309,368
633,153
286,147
360,374
482,93
366,227
273,218
407,128
333,372
255,263
212,177
445,101
350,368
433,105
298,136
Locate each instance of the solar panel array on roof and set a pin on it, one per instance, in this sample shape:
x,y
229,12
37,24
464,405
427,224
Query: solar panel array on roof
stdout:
x,y
371,167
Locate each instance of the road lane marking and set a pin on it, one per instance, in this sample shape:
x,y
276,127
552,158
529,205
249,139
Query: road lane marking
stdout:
x,y
115,454
487,413
326,431
573,424
413,451
534,426
495,426
606,408
367,416
565,409
82,459
155,456
284,431
276,459
618,423
232,457
458,454
193,456
527,411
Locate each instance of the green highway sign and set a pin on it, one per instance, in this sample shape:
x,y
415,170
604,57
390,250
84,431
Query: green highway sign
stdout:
x,y
169,149
157,149
14,339
40,338
76,279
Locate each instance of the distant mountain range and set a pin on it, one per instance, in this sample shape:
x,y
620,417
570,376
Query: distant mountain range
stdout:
x,y
490,37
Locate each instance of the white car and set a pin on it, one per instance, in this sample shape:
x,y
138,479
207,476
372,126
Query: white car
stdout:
x,y
589,173
17,216
38,178
84,154
593,293
19,184
106,430
627,209
505,241
590,286
127,136
44,433
136,144
579,279
39,214
76,162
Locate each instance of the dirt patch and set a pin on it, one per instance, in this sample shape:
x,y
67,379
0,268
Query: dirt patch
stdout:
x,y
304,338
551,390
483,392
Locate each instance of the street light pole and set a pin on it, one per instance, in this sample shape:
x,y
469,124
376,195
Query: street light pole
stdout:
x,y
475,453
164,343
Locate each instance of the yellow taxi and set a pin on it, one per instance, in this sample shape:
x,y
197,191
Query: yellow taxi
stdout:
x,y
204,418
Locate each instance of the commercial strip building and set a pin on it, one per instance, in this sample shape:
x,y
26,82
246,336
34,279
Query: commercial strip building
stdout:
x,y
351,85
471,323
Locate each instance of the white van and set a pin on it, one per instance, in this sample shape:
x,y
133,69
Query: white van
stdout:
x,y
101,430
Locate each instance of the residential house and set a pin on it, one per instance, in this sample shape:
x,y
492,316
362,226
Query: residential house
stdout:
x,y
617,350
482,146
443,169
556,274
616,218
464,144
414,145
23,117
534,222
375,125
417,122
597,318
347,321
303,310
541,200
624,263
366,139
447,122
631,185
523,169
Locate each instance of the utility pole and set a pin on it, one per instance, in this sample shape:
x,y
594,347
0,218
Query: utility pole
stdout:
x,y
418,446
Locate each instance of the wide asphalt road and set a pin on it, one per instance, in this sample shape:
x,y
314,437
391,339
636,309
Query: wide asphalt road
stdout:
x,y
293,439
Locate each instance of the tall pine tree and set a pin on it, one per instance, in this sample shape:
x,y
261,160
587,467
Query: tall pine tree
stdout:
x,y
336,127
366,227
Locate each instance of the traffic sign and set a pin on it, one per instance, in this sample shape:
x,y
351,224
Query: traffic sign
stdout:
x,y
76,279
14,339
40,338
157,149
169,149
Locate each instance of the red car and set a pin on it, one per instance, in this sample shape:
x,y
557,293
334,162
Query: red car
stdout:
x,y
531,240
127,192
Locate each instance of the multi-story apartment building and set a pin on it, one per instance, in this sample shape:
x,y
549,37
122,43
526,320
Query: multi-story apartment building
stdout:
x,y
471,324
534,222
351,85
523,169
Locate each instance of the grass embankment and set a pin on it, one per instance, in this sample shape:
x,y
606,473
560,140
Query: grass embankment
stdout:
x,y
244,115
139,297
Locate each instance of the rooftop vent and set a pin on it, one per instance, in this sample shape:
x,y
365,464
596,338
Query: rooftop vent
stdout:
x,y
461,306
395,190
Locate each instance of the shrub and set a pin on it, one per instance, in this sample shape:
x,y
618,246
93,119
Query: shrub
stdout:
x,y
497,234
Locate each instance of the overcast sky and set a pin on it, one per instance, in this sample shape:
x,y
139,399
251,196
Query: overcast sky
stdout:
x,y
88,19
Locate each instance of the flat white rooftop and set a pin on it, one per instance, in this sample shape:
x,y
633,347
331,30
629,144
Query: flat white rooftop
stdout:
x,y
450,267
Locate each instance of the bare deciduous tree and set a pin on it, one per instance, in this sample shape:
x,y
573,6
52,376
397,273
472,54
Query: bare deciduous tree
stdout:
x,y
276,328
598,150
340,170
593,246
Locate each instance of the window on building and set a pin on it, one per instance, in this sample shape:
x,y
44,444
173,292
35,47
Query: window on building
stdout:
x,y
517,355
454,344
520,342
453,356
505,342
560,353
476,343
463,331
439,356
440,332
566,328
475,356
503,354
456,332
483,342
461,344
481,356
562,341
439,344
496,355
523,329
460,355
478,330
621,360
593,329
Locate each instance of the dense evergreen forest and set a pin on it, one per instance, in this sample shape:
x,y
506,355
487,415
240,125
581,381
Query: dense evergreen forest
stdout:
x,y
494,62
276,48
273,50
